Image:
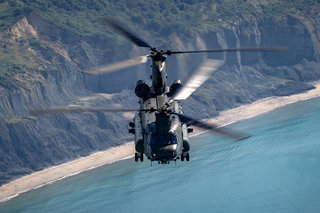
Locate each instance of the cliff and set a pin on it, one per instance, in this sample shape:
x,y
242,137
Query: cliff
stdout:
x,y
29,143
48,58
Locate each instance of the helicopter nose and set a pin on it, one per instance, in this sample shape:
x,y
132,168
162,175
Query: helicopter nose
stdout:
x,y
168,151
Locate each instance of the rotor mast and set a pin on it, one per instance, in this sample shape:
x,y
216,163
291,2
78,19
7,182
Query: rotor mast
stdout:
x,y
159,74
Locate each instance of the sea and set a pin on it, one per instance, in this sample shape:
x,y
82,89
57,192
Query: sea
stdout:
x,y
276,170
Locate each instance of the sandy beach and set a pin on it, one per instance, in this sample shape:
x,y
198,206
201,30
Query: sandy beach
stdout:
x,y
52,174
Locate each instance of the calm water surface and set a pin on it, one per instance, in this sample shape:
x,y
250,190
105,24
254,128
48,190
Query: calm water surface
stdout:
x,y
276,170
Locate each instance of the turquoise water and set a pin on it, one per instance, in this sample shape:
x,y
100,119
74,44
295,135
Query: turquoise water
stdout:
x,y
276,170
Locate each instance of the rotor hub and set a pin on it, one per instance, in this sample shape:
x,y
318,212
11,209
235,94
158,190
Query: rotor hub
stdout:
x,y
158,55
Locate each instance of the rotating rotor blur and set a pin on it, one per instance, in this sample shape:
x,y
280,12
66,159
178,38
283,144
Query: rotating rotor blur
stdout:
x,y
194,82
155,52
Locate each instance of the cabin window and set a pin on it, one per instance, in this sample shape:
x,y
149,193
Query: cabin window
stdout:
x,y
163,139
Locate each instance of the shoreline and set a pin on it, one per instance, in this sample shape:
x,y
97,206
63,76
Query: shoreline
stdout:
x,y
55,173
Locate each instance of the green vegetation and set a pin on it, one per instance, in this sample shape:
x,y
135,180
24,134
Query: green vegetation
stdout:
x,y
13,60
18,120
9,65
7,16
155,20
161,17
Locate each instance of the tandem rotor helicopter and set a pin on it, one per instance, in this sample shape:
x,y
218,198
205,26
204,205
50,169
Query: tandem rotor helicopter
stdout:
x,y
159,126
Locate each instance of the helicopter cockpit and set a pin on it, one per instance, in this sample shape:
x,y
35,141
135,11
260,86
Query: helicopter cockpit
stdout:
x,y
163,147
169,139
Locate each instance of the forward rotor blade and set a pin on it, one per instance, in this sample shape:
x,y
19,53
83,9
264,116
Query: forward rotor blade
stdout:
x,y
116,66
222,130
248,49
197,79
119,27
62,110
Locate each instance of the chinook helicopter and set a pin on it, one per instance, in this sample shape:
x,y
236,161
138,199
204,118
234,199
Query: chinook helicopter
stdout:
x,y
159,126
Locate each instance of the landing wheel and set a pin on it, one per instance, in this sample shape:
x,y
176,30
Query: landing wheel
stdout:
x,y
185,155
138,156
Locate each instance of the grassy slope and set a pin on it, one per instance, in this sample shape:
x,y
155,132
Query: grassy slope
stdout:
x,y
160,17
156,18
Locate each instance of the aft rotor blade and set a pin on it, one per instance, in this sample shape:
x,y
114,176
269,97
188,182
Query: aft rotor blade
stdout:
x,y
246,49
62,110
119,27
197,79
116,66
222,130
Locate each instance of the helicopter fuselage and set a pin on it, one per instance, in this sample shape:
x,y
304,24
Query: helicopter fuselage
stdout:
x,y
159,135
159,74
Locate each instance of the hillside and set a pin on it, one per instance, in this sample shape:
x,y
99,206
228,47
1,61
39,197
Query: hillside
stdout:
x,y
45,43
155,20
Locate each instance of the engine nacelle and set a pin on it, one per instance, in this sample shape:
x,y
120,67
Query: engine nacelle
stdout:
x,y
175,86
142,89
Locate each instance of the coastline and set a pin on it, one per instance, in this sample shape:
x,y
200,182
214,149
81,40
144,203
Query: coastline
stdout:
x,y
49,175
55,173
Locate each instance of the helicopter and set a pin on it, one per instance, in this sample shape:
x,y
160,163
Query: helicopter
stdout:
x,y
159,126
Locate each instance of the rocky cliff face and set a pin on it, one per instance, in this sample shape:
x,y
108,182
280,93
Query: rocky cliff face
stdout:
x,y
247,76
32,143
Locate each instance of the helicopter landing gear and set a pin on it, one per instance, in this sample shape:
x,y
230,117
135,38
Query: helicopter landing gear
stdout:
x,y
138,156
185,155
